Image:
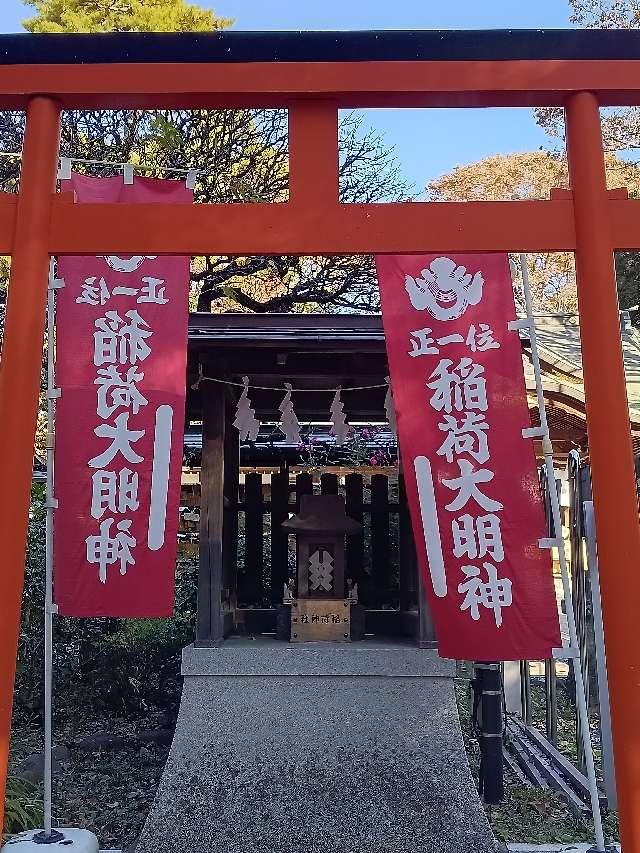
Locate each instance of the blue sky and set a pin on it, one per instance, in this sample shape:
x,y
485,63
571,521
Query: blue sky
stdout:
x,y
427,142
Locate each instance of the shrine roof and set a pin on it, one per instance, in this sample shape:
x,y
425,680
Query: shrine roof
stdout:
x,y
349,349
322,514
561,360
277,330
355,46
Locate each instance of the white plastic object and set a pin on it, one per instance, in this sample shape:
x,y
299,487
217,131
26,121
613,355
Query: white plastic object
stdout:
x,y
64,169
534,432
127,174
65,838
516,325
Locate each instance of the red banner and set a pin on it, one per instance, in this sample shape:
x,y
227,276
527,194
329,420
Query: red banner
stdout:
x,y
471,478
121,348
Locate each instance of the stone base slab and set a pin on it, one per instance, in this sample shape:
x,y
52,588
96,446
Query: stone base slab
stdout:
x,y
314,747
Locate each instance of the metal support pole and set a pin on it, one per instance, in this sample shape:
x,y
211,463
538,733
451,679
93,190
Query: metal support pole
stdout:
x,y
554,503
48,594
512,685
608,764
551,721
491,733
550,691
49,608
610,451
20,383
525,682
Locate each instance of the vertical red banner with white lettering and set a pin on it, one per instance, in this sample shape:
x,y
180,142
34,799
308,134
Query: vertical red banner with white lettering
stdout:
x,y
471,477
121,349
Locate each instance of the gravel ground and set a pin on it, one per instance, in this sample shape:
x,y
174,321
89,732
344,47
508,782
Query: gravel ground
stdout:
x,y
106,791
533,815
109,791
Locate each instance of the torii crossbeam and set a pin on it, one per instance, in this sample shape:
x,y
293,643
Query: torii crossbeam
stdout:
x,y
313,75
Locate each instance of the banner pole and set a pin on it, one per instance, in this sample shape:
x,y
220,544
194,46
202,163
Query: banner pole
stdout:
x,y
547,449
49,607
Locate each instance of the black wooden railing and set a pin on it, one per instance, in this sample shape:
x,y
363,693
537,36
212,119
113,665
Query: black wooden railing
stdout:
x,y
260,557
266,555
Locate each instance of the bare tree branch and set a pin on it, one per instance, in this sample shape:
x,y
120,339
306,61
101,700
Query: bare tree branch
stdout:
x,y
242,156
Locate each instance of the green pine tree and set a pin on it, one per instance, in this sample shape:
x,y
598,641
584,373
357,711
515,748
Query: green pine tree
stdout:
x,y
96,16
242,156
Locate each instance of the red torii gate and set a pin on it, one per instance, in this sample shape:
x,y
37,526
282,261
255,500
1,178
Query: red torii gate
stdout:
x,y
313,75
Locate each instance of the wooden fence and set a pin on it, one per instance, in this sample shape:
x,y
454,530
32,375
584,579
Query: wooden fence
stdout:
x,y
259,558
266,555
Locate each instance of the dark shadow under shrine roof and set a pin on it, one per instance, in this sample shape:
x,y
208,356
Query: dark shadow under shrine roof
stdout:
x,y
232,46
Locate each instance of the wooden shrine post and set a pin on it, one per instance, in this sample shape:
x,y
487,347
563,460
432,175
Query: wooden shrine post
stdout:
x,y
231,476
412,588
210,628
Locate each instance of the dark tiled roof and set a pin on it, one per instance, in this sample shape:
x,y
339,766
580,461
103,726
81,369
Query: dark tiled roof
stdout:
x,y
364,46
298,329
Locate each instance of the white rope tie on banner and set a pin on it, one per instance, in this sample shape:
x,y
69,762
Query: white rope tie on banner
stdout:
x,y
573,650
66,163
127,174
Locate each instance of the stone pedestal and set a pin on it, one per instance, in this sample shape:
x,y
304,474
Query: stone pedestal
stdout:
x,y
315,747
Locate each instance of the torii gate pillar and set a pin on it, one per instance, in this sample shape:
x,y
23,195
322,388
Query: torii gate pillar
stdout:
x,y
610,449
313,76
20,381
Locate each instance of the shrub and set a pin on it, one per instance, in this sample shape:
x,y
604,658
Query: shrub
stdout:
x,y
23,806
124,665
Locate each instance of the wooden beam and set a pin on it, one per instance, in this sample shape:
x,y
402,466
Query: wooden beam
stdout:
x,y
252,581
231,477
210,618
401,83
279,537
262,620
280,229
276,229
408,569
354,500
381,578
426,629
313,154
